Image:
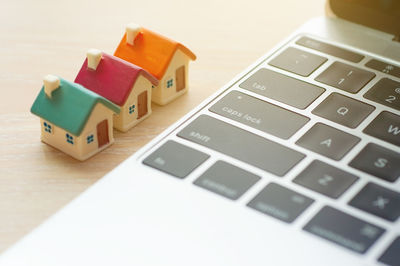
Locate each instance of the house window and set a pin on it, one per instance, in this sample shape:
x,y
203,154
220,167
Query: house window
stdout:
x,y
170,83
47,127
131,109
70,139
89,139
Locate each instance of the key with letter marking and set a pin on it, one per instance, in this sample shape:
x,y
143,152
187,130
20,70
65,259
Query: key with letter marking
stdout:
x,y
325,179
328,141
378,161
379,201
343,110
386,126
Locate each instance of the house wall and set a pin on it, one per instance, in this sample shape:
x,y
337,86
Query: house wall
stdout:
x,y
124,120
162,94
80,149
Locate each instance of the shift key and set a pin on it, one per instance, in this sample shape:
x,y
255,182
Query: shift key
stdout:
x,y
241,144
259,114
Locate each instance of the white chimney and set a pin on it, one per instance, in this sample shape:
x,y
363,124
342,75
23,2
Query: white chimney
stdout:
x,y
50,83
132,31
93,58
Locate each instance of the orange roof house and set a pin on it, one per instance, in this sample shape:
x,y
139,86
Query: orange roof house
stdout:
x,y
165,59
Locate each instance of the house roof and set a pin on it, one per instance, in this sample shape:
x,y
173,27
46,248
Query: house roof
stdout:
x,y
113,78
151,51
69,107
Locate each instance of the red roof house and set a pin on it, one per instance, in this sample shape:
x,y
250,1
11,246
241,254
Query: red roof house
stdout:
x,y
122,83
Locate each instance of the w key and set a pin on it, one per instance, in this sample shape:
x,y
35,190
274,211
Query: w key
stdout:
x,y
386,126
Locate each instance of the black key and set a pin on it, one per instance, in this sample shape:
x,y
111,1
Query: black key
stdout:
x,y
259,114
325,179
297,61
242,145
384,67
344,229
392,255
328,141
378,161
379,201
345,77
330,49
386,126
386,92
280,202
175,159
343,110
227,180
282,88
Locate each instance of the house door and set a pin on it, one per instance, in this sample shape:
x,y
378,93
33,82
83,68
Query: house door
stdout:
x,y
102,133
142,104
180,78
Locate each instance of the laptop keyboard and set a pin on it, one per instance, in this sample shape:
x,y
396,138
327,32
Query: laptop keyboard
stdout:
x,y
314,116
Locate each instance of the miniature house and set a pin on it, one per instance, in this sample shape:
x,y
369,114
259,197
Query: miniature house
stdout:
x,y
165,59
73,119
122,83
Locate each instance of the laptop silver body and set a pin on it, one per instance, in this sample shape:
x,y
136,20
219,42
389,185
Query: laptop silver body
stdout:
x,y
139,215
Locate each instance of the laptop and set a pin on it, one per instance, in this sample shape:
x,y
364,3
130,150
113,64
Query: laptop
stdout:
x,y
296,161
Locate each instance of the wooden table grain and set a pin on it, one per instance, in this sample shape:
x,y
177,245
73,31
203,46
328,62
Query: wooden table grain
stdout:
x,y
51,37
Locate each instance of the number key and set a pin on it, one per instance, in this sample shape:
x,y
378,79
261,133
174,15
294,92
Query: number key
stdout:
x,y
386,92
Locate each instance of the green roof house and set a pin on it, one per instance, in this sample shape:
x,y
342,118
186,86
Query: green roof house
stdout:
x,y
73,119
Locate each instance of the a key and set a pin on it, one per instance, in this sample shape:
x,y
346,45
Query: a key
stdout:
x,y
330,49
259,114
344,229
297,61
379,201
280,202
175,159
386,126
325,179
345,77
343,110
386,92
391,256
384,67
282,88
328,141
378,161
226,180
242,145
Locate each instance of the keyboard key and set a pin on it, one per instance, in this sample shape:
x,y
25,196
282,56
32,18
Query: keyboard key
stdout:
x,y
297,61
345,77
330,49
328,141
325,179
344,229
259,114
242,145
227,180
392,255
282,88
280,202
386,126
343,110
384,67
175,159
386,92
379,201
378,161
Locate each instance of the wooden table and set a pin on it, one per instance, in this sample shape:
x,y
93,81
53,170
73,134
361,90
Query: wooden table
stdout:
x,y
42,37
